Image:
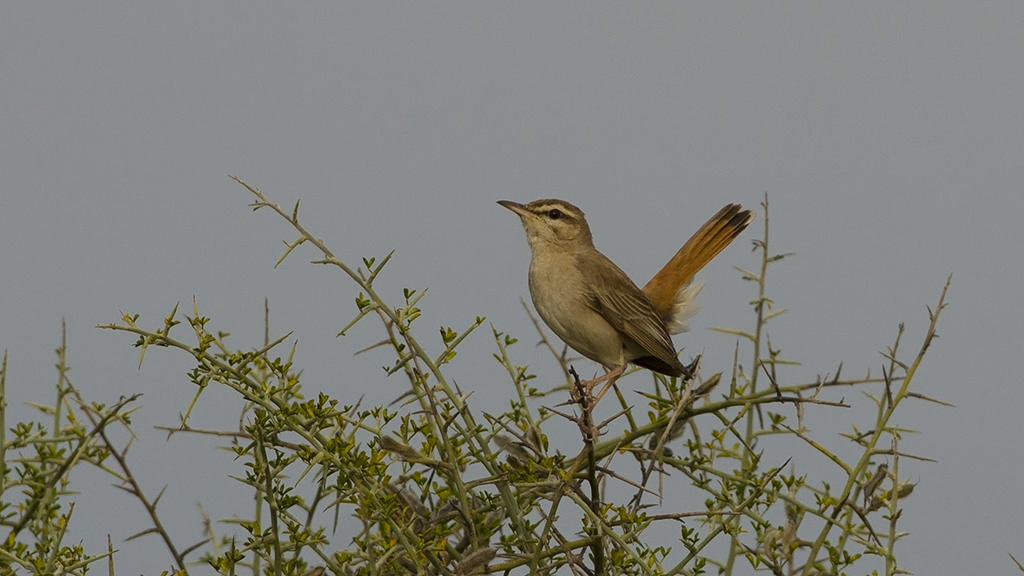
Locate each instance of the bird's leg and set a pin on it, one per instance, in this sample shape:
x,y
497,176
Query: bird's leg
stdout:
x,y
582,393
584,389
608,379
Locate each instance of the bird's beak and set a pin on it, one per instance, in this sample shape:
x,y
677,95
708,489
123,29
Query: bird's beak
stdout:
x,y
515,207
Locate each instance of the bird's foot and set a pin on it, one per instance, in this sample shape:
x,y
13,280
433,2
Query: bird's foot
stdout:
x,y
583,390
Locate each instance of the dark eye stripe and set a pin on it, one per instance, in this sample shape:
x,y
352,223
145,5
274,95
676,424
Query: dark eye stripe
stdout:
x,y
554,213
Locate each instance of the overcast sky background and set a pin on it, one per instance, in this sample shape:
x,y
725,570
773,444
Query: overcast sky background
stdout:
x,y
888,137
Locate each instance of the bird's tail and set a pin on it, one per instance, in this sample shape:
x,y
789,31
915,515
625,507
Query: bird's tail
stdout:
x,y
670,290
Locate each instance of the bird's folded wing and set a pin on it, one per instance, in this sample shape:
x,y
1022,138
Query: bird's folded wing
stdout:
x,y
629,311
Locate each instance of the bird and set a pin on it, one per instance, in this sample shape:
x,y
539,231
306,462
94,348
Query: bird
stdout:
x,y
593,306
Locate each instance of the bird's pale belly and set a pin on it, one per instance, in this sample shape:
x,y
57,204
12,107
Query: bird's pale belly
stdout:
x,y
561,304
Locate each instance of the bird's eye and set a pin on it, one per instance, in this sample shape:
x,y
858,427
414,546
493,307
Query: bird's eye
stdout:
x,y
554,214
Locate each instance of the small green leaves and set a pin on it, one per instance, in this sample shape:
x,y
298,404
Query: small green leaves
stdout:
x,y
362,302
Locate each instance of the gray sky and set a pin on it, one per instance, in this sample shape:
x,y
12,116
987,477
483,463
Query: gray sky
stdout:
x,y
887,135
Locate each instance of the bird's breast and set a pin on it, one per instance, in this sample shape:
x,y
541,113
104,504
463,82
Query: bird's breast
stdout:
x,y
562,297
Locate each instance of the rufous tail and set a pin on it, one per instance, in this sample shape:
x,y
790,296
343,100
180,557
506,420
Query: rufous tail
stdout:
x,y
667,290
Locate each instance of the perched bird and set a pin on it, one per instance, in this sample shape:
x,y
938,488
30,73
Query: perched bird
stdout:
x,y
594,307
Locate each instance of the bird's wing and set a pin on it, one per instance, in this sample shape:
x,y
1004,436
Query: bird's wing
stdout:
x,y
627,309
